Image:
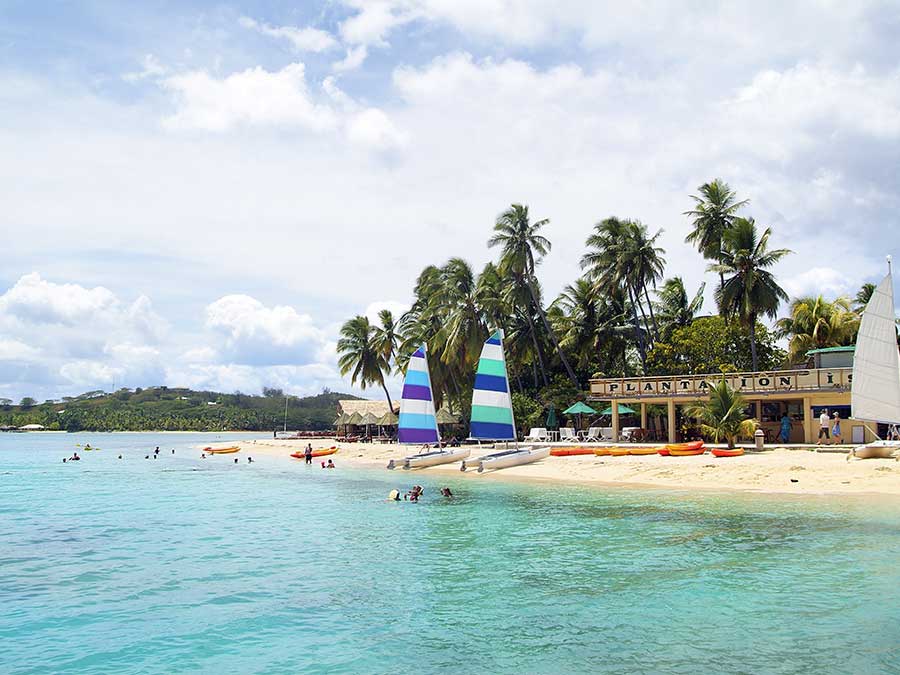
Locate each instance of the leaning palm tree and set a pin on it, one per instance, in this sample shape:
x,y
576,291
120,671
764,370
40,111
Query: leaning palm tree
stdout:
x,y
722,416
385,336
522,248
647,263
674,308
713,214
358,355
816,323
751,290
863,295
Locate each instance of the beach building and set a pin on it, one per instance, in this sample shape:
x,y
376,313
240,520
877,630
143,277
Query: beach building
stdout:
x,y
803,394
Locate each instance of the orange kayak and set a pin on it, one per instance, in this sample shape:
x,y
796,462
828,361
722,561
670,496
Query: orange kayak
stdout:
x,y
692,445
664,451
618,452
643,451
315,453
685,452
721,452
601,452
221,451
570,452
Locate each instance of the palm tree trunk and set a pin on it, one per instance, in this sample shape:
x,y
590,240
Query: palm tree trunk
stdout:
x,y
386,393
639,336
550,331
753,356
652,315
537,348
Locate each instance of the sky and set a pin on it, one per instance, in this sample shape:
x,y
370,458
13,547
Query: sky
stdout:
x,y
199,193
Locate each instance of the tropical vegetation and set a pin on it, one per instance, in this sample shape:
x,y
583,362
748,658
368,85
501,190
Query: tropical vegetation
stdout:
x,y
722,417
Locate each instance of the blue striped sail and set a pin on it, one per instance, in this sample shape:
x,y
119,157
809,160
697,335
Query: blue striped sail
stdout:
x,y
492,416
417,420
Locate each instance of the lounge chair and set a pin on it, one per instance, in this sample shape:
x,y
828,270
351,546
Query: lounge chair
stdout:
x,y
537,434
567,434
593,435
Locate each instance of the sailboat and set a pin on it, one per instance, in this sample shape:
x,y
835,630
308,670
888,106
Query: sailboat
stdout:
x,y
492,413
875,389
418,423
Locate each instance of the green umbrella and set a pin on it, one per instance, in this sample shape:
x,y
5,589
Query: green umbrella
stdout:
x,y
551,422
623,410
579,409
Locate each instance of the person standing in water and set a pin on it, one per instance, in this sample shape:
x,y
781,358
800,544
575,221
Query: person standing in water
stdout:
x,y
308,453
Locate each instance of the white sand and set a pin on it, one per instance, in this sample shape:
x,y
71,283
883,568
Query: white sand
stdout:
x,y
769,471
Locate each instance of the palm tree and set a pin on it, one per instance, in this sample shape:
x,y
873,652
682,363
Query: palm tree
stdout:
x,y
815,323
647,261
722,416
751,290
522,249
674,308
713,213
385,337
358,353
863,296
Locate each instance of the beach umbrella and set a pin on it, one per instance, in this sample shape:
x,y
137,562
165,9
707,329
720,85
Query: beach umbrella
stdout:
x,y
551,422
579,409
341,419
354,420
389,419
623,410
369,419
444,416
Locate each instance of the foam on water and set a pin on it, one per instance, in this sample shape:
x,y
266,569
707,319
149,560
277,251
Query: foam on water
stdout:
x,y
182,565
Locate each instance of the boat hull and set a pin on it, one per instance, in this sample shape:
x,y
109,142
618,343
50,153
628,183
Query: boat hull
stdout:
x,y
618,452
877,450
643,451
221,451
721,452
602,452
315,453
571,452
686,453
507,458
426,459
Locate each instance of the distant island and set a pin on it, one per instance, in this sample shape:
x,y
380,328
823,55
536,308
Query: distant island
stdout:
x,y
174,409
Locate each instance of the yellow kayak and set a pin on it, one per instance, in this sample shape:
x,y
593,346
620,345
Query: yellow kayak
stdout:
x,y
221,451
601,452
618,452
643,451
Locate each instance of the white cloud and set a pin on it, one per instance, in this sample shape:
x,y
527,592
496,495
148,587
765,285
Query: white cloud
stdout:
x,y
353,59
396,308
375,19
13,350
34,300
372,128
302,39
253,97
150,68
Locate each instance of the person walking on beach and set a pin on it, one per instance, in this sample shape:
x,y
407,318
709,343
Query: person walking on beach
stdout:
x,y
785,428
824,421
836,429
308,453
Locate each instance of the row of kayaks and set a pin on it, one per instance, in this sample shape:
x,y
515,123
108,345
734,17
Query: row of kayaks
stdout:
x,y
670,450
496,460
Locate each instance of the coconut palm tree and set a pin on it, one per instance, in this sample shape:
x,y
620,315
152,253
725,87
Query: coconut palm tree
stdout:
x,y
714,212
648,264
385,337
751,290
816,323
522,248
863,295
359,355
722,416
674,308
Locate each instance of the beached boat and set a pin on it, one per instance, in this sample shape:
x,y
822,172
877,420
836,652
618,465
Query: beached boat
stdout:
x,y
221,451
571,452
418,422
686,449
492,413
875,388
642,451
602,452
618,452
321,452
664,451
724,452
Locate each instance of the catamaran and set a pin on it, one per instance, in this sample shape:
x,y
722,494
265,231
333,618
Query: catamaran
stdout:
x,y
875,389
492,413
418,423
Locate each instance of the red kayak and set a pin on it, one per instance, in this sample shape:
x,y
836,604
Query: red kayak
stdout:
x,y
315,453
663,451
722,452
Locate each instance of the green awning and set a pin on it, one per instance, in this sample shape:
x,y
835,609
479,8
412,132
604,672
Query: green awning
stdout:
x,y
623,410
579,409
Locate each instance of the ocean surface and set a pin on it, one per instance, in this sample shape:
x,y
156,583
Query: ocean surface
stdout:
x,y
183,565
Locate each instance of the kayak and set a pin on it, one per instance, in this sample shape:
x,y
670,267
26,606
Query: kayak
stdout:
x,y
221,451
570,452
692,445
618,452
721,452
664,451
601,452
321,452
643,451
675,451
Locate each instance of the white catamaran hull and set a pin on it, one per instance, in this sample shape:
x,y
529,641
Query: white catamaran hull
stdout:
x,y
436,457
502,460
877,450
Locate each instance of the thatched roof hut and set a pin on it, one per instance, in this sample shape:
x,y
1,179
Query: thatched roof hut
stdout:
x,y
363,406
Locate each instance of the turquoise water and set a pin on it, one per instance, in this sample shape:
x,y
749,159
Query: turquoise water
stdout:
x,y
182,565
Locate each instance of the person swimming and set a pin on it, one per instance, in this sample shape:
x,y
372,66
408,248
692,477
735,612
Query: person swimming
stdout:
x,y
235,460
249,460
445,491
330,465
120,456
394,495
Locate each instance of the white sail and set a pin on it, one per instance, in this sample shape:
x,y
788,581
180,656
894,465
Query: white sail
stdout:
x,y
875,391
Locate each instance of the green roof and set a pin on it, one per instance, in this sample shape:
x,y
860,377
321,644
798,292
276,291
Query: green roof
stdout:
x,y
828,350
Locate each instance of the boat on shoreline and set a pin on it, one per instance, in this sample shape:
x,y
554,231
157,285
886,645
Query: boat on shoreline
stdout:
x,y
492,413
725,452
221,451
686,449
875,388
321,452
571,452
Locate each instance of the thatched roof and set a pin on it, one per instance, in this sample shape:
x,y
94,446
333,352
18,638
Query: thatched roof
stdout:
x,y
363,406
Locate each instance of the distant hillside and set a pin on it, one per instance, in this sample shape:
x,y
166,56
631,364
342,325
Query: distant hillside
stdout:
x,y
172,409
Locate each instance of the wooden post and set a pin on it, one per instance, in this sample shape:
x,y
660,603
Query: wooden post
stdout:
x,y
644,416
671,420
807,420
615,421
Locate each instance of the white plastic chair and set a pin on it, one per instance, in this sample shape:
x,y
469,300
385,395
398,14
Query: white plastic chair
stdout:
x,y
567,434
593,435
537,434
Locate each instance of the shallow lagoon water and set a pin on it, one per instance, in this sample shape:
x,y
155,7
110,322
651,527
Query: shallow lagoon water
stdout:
x,y
183,565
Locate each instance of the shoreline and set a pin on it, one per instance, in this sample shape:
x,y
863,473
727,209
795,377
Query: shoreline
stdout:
x,y
779,471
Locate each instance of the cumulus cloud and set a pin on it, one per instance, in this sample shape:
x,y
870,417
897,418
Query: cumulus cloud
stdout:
x,y
150,68
353,59
301,39
35,300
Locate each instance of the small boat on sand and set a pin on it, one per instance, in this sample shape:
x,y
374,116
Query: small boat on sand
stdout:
x,y
602,452
642,451
321,452
618,452
686,449
724,452
664,451
507,458
571,452
435,457
221,451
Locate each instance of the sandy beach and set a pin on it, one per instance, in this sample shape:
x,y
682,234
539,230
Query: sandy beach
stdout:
x,y
788,471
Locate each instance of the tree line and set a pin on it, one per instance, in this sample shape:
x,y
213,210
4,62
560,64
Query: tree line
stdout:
x,y
621,317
